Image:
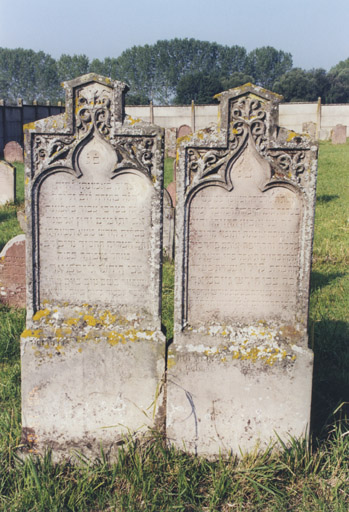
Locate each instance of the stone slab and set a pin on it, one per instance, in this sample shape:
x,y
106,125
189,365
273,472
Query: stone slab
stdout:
x,y
339,134
244,231
93,350
13,152
7,183
12,273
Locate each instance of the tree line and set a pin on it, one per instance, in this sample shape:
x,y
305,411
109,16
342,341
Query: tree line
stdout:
x,y
173,71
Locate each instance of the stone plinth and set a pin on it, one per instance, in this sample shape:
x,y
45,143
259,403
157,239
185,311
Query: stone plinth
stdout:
x,y
93,350
7,183
12,273
13,152
240,369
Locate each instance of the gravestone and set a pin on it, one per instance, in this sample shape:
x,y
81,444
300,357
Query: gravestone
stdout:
x,y
240,369
93,350
339,134
7,183
12,273
170,142
13,152
22,221
310,128
168,226
171,189
183,131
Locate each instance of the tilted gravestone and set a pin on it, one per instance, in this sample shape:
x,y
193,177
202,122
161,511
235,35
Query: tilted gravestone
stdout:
x,y
339,134
93,350
13,152
7,183
240,369
12,273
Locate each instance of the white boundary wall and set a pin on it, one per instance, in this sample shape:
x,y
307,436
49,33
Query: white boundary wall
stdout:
x,y
291,116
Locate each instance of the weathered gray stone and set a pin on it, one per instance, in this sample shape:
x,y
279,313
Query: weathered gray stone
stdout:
x,y
22,220
7,183
339,134
12,273
13,152
170,142
310,128
168,226
240,369
93,350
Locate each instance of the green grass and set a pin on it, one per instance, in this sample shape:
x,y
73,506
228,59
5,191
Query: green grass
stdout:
x,y
168,171
150,477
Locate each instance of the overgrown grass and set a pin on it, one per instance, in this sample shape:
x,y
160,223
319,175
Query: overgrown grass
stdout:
x,y
168,171
150,477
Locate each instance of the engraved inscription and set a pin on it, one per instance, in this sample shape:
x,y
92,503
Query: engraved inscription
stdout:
x,y
94,235
243,250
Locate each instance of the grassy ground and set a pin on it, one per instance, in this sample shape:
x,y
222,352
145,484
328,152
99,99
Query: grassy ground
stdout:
x,y
148,477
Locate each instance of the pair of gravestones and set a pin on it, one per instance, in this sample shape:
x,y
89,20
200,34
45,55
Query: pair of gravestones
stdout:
x,y
93,354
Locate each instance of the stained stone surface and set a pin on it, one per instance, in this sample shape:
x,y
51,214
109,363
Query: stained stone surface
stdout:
x,y
13,152
93,350
7,183
240,368
168,226
339,134
12,273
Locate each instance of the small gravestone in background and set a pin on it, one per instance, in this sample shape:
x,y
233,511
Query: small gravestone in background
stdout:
x,y
93,350
309,128
170,142
13,152
7,183
240,369
339,134
168,226
183,131
12,273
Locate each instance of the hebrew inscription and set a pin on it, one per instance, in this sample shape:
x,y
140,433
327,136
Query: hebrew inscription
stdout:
x,y
243,249
95,233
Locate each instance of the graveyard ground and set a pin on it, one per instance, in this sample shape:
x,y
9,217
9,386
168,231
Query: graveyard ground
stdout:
x,y
152,478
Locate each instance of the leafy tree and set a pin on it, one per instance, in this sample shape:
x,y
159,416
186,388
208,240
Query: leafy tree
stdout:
x,y
107,67
137,99
199,87
339,89
70,67
301,85
236,79
267,64
28,75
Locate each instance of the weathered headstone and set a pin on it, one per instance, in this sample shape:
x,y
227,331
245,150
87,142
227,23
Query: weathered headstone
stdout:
x,y
339,134
171,189
170,142
22,220
93,350
12,273
7,183
310,128
240,369
183,131
168,226
13,152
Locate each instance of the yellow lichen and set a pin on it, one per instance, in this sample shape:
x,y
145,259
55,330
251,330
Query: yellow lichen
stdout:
x,y
41,313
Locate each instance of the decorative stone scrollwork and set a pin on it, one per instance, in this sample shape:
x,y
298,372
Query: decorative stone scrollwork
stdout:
x,y
50,150
134,153
93,110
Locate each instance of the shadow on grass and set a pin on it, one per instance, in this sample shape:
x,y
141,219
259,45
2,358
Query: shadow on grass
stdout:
x,y
320,280
7,214
325,198
331,373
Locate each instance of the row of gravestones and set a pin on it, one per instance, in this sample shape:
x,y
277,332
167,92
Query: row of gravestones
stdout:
x,y
93,353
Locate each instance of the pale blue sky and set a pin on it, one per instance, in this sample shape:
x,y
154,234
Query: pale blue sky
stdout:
x,y
315,32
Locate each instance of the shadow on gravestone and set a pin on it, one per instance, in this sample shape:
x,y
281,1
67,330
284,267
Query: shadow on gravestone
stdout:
x,y
93,351
7,183
12,273
240,369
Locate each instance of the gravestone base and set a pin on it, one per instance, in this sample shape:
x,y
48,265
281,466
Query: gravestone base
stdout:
x,y
92,379
233,393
